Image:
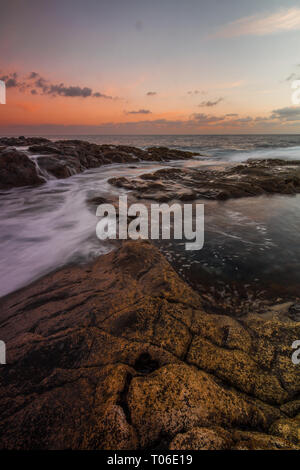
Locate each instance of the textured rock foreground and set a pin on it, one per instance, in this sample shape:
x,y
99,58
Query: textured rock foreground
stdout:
x,y
254,178
121,355
64,158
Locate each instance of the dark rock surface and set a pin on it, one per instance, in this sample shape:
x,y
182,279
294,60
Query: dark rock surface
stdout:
x,y
254,178
22,141
120,354
64,158
16,169
294,312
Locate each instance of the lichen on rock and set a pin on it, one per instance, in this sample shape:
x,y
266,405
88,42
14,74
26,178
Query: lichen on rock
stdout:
x,y
120,354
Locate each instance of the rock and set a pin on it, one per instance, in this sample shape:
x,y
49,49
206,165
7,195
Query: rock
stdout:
x,y
252,179
258,441
118,355
164,153
287,428
294,312
45,149
95,201
248,354
64,158
291,408
16,169
22,141
215,438
178,396
58,167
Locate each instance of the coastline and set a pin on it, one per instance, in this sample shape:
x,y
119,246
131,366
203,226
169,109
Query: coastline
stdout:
x,y
122,353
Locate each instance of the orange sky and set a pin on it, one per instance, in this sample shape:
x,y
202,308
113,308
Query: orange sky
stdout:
x,y
148,68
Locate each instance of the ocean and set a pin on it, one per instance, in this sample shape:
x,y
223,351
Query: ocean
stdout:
x,y
251,247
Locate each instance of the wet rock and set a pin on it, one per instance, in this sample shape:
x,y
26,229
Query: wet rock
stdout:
x,y
164,153
22,141
252,179
118,156
95,201
44,149
58,167
64,158
16,169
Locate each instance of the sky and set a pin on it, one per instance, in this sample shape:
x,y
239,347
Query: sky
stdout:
x,y
149,67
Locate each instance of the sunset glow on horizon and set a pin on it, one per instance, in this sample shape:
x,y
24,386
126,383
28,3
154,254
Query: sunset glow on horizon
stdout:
x,y
135,67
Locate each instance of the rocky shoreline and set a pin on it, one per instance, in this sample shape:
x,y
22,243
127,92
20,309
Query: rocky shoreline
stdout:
x,y
121,354
64,158
254,178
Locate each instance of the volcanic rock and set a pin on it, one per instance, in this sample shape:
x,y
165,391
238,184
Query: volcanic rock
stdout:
x,y
120,354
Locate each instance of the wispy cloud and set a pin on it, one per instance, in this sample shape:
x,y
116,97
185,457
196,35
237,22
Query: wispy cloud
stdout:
x,y
263,24
286,114
287,118
290,77
139,111
209,104
196,92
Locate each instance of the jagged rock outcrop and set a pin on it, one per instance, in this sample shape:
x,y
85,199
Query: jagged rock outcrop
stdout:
x,y
64,158
254,178
120,354
22,141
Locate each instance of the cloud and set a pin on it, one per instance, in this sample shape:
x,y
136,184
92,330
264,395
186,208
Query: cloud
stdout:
x,y
42,86
209,104
71,91
201,118
11,80
33,75
97,94
151,93
284,118
290,77
243,120
260,25
61,89
286,114
140,111
196,92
